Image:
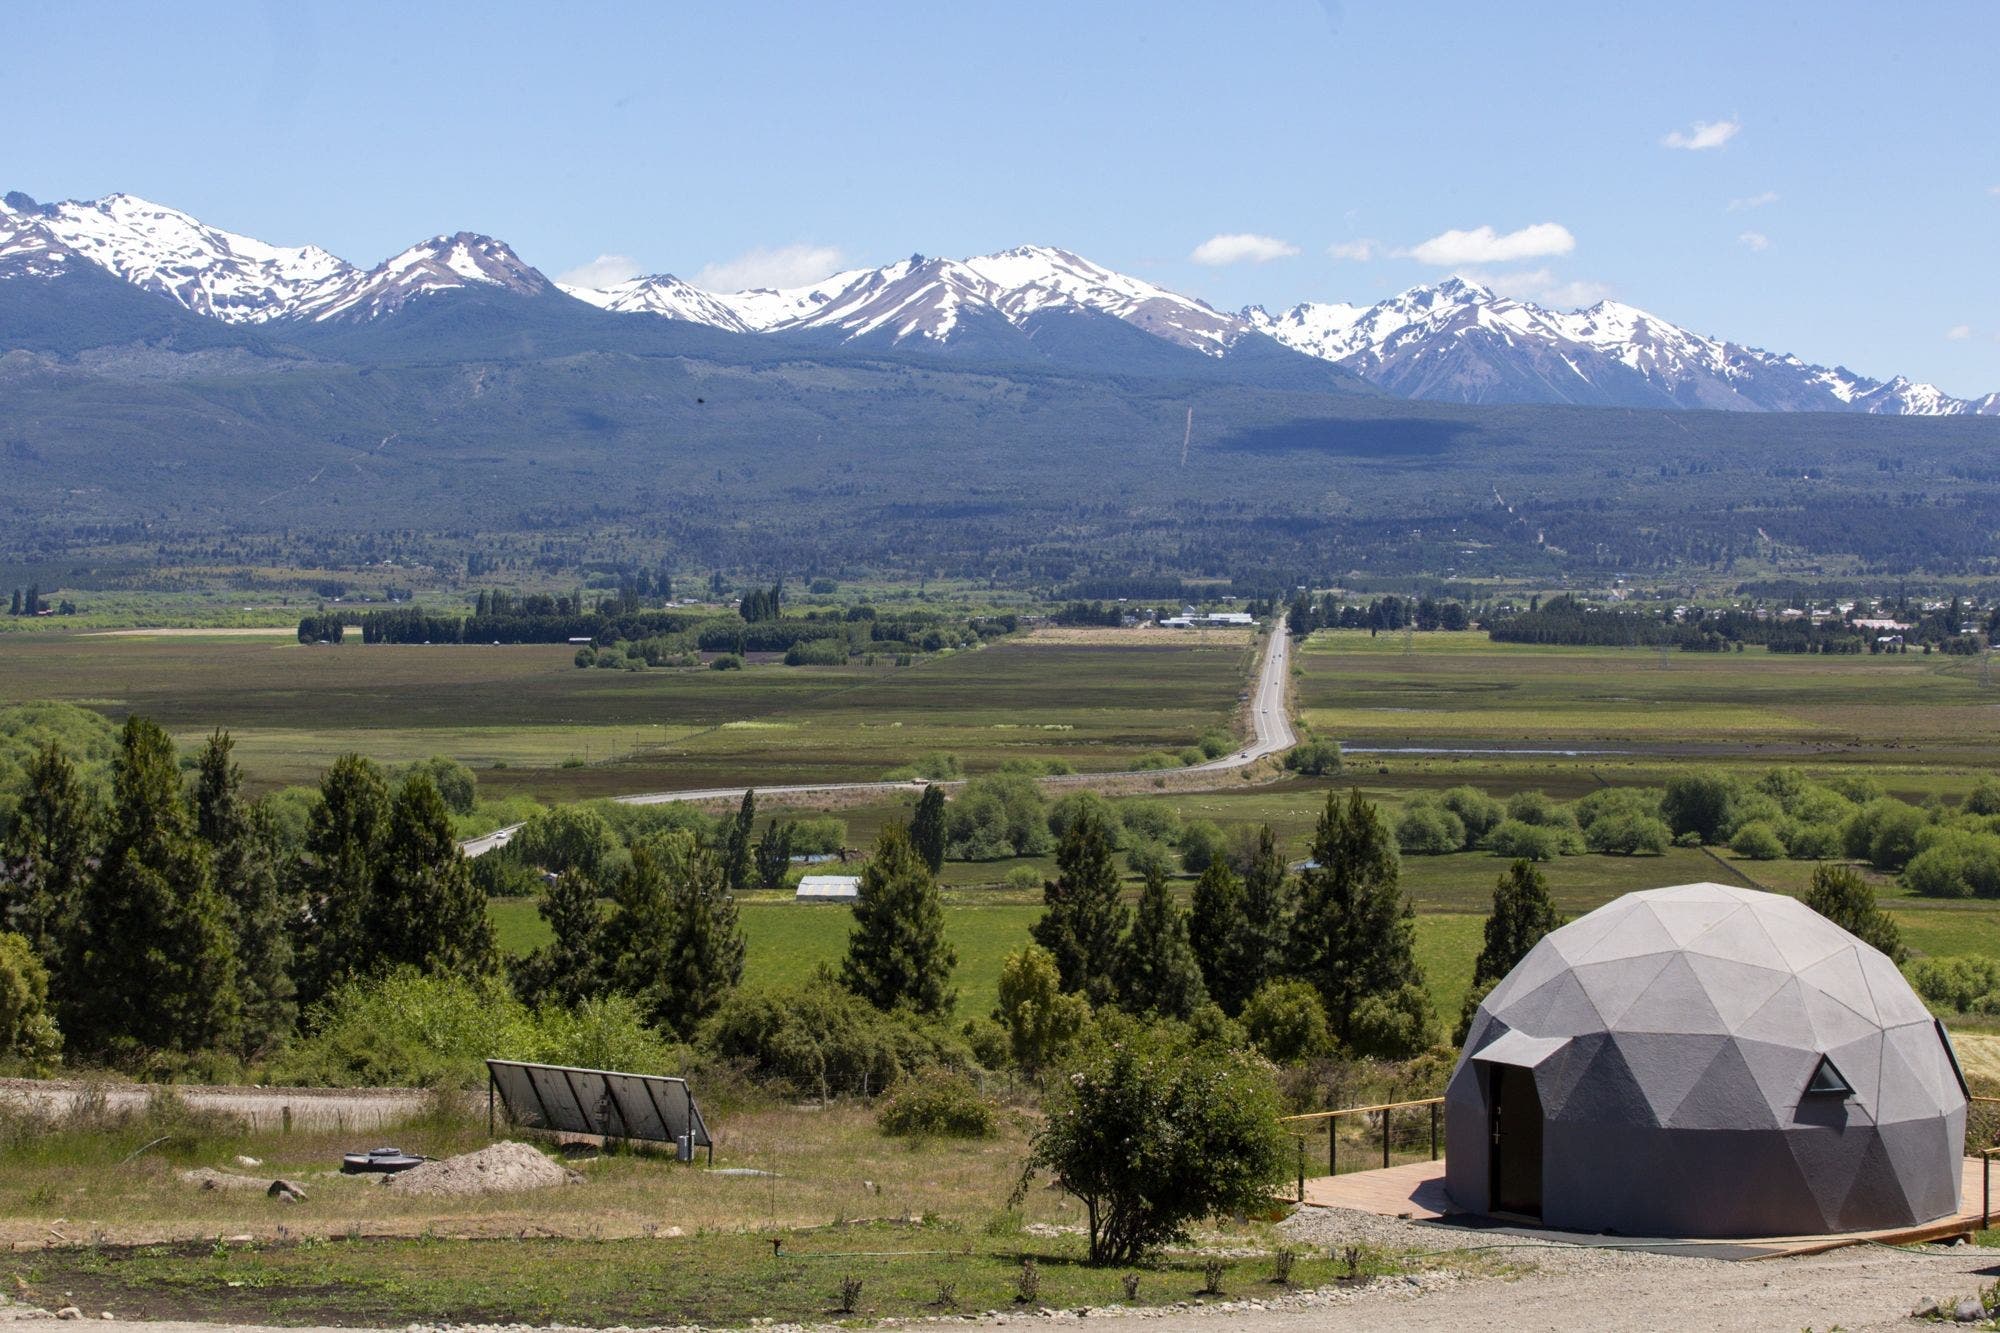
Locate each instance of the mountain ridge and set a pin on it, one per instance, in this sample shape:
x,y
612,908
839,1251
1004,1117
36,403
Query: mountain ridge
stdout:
x,y
1452,341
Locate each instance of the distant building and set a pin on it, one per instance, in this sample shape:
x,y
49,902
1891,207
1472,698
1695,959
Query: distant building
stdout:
x,y
828,889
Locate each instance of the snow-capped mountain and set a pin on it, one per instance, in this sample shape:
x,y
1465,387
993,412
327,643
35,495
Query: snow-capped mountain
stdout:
x,y
665,295
239,279
1457,341
936,299
1454,341
441,263
208,270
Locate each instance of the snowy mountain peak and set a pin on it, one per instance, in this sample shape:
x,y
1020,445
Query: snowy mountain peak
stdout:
x,y
442,263
665,295
1459,341
208,270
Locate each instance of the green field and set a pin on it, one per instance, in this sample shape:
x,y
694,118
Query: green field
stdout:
x,y
531,723
1907,715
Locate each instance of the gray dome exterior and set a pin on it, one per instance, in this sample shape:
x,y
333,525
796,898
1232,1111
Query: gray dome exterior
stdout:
x,y
1674,1040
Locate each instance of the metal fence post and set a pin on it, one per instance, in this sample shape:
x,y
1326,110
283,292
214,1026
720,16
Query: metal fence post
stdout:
x,y
1332,1150
1985,1191
1434,1131
1386,1113
1302,1170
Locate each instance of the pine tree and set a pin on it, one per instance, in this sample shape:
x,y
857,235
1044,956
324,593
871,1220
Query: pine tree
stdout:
x,y
673,941
1839,894
1355,934
564,971
45,865
1523,912
424,910
897,956
737,857
774,854
337,874
927,827
242,847
157,970
1215,918
1084,919
32,604
1157,972
15,609
1257,948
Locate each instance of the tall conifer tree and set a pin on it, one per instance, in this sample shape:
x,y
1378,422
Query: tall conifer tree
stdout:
x,y
1084,919
45,865
337,876
1214,920
425,910
897,956
927,827
240,844
1157,971
1355,933
158,967
738,858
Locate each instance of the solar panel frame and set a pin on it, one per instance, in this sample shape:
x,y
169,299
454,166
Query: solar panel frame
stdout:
x,y
605,1103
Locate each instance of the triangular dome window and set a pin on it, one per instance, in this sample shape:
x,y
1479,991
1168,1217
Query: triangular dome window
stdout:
x,y
1827,1080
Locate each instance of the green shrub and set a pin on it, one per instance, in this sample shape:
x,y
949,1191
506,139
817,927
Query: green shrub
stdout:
x,y
29,1040
1316,757
1074,805
1394,1026
1698,804
1147,858
1539,809
1627,833
817,652
1956,985
1154,1132
726,662
570,839
940,1104
1480,813
602,1034
1426,828
1286,1021
937,766
818,835
824,1040
1609,802
501,874
995,817
1022,878
453,780
408,1030
1216,743
1811,842
1153,821
1883,833
1758,841
1532,842
1955,863
1201,845
1984,798
1158,759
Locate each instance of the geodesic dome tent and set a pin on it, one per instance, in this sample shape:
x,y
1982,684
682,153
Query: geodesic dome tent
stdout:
x,y
1706,1061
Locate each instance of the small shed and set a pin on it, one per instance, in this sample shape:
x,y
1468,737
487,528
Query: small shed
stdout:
x,y
828,889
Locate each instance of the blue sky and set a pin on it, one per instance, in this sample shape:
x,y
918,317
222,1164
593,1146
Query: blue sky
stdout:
x,y
1844,206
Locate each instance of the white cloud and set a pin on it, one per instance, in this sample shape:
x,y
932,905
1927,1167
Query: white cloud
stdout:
x,y
1958,332
1703,134
1756,240
774,266
1753,201
1541,286
1483,245
603,271
1361,251
1242,247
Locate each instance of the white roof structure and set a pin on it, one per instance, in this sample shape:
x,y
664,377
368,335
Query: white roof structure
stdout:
x,y
828,889
1706,1061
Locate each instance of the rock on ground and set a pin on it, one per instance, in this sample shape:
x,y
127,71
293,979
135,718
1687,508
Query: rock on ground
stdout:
x,y
502,1168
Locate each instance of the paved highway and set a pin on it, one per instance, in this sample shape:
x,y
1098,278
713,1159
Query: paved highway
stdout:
x,y
1270,725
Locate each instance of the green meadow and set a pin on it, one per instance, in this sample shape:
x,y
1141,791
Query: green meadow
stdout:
x,y
531,723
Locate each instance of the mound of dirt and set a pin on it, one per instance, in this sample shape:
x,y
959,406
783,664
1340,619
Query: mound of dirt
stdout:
x,y
503,1168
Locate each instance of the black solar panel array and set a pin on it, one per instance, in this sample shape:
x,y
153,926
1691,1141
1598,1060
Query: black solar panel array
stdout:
x,y
602,1102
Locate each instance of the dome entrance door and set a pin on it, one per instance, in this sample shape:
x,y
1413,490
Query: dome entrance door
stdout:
x,y
1517,1140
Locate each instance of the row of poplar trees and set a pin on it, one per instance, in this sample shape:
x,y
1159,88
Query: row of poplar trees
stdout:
x,y
1342,924
169,920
